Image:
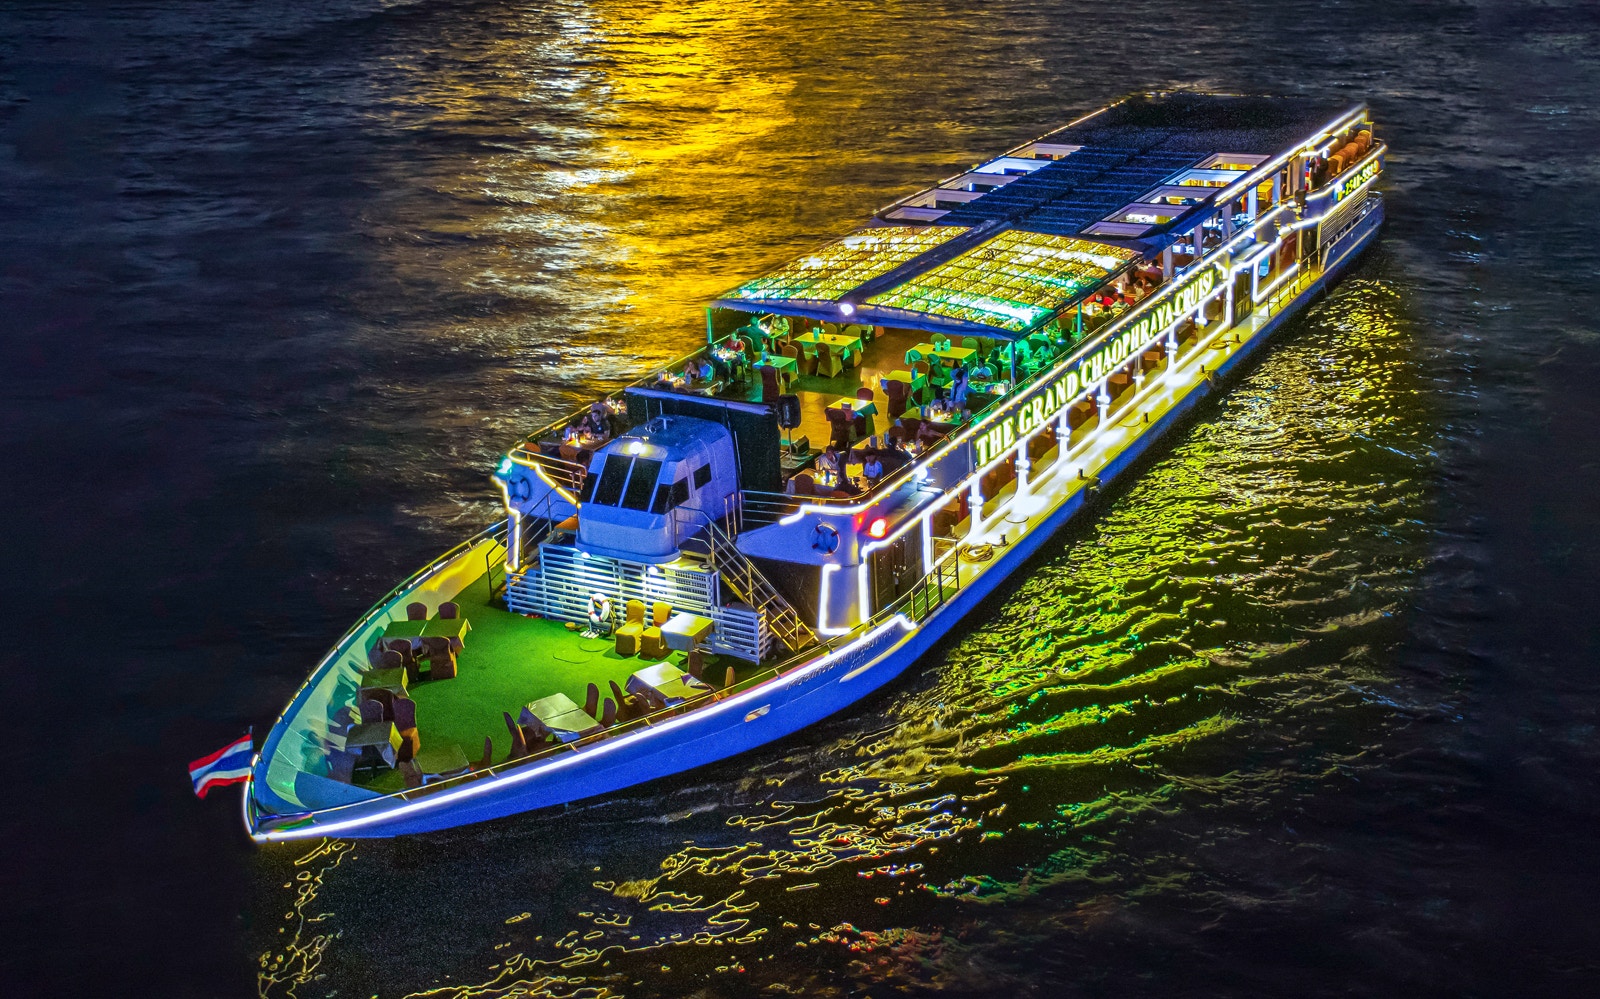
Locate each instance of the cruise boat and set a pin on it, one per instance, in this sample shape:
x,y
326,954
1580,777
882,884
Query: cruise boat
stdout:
x,y
871,439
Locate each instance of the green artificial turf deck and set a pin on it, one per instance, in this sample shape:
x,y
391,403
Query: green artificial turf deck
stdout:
x,y
507,661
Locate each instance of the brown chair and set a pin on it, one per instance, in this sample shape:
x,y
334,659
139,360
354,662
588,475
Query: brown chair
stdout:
x,y
410,771
416,612
371,710
441,660
971,343
608,713
842,432
651,644
769,383
487,759
805,484
628,636
694,662
390,659
449,610
591,701
728,679
628,706
519,744
899,395
405,713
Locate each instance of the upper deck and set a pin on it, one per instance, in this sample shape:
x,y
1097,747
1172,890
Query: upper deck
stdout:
x,y
1021,264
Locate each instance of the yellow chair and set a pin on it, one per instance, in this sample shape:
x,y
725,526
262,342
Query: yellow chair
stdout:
x,y
651,644
630,634
828,365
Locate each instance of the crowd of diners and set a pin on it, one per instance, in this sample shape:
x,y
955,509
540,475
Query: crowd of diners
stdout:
x,y
944,384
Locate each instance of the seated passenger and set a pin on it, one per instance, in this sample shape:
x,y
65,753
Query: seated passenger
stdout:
x,y
829,462
872,468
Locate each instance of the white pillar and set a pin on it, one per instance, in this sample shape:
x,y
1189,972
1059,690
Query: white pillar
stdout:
x,y
1166,264
975,508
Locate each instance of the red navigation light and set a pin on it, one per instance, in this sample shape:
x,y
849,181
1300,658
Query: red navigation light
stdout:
x,y
879,528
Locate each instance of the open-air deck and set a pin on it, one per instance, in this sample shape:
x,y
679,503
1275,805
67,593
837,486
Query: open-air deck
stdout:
x,y
506,662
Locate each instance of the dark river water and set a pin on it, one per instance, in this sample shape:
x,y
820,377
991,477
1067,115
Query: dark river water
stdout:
x,y
1309,708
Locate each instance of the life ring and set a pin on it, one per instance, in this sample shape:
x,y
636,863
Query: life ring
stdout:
x,y
520,488
599,615
825,539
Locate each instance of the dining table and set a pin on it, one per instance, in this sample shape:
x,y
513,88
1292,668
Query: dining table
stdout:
x,y
561,716
393,680
838,341
374,742
857,407
683,631
948,355
666,685
438,627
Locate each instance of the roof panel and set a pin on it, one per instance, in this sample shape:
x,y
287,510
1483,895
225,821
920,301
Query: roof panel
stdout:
x,y
844,264
1009,282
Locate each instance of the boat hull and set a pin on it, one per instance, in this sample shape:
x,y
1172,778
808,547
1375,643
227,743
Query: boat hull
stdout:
x,y
801,697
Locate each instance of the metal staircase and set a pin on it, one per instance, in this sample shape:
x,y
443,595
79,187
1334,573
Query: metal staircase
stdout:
x,y
748,584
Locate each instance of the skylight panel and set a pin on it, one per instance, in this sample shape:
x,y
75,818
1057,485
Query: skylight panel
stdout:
x,y
845,264
1011,282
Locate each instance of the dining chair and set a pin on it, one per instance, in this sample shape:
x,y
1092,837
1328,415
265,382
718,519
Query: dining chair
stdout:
x,y
449,610
769,383
828,365
416,612
519,743
608,713
591,700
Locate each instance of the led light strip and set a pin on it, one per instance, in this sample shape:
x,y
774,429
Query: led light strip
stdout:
x,y
496,782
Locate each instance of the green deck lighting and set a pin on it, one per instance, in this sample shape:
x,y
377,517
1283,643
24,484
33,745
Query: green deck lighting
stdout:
x,y
1009,282
844,264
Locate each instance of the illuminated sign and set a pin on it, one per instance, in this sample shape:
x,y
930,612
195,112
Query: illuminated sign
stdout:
x,y
1348,185
1032,410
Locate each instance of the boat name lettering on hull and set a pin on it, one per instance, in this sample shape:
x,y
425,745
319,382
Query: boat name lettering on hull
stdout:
x,y
1033,410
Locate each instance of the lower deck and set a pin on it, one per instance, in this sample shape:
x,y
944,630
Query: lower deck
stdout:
x,y
507,661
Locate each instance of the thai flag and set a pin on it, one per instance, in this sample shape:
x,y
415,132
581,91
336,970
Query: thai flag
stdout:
x,y
228,765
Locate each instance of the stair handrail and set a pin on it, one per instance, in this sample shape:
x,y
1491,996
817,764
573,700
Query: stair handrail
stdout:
x,y
746,579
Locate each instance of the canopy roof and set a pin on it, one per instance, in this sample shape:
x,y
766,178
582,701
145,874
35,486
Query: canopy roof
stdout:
x,y
845,264
1010,282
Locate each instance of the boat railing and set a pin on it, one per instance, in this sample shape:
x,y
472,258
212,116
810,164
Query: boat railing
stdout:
x,y
562,473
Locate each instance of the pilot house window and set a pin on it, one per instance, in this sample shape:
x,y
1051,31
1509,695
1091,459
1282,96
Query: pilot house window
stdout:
x,y
608,484
702,475
641,484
